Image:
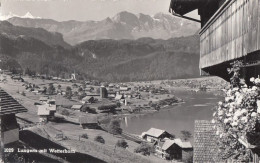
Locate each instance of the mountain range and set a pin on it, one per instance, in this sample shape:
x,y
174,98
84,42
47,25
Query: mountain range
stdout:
x,y
123,25
44,51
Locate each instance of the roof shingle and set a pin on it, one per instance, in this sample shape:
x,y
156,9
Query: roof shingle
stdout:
x,y
205,146
8,105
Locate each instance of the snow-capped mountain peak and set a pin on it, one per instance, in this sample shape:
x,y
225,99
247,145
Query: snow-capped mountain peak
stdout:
x,y
28,15
11,15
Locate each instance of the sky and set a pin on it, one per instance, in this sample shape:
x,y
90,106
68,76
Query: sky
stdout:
x,y
83,10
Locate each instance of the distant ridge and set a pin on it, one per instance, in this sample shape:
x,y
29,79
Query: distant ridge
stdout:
x,y
49,38
123,25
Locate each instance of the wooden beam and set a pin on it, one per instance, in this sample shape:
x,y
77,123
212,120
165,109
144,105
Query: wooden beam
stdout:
x,y
252,63
2,156
185,17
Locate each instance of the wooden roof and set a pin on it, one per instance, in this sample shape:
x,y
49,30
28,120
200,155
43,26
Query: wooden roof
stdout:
x,y
8,105
88,119
205,138
179,142
185,6
155,132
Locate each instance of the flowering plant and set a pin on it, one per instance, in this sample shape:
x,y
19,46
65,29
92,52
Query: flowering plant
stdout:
x,y
237,117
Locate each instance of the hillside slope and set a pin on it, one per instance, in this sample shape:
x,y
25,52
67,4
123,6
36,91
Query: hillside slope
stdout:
x,y
50,38
107,60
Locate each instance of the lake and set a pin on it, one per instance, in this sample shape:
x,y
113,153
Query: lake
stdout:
x,y
197,106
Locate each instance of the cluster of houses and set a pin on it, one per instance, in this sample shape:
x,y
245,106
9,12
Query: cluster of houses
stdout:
x,y
44,76
152,89
199,84
46,109
166,146
17,78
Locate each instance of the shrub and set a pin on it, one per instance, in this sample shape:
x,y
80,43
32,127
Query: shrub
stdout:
x,y
10,157
91,110
51,89
185,135
114,127
100,139
23,94
65,112
85,136
144,149
122,143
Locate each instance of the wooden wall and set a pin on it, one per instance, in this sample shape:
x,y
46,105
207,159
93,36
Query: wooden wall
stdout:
x,y
233,32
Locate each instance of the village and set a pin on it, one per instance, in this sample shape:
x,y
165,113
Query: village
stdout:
x,y
61,110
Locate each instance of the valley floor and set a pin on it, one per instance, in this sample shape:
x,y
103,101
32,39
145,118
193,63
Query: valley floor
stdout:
x,y
71,132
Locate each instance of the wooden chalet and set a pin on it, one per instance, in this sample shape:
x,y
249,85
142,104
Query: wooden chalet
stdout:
x,y
154,135
76,107
46,112
230,30
90,122
44,99
88,99
174,149
119,97
9,127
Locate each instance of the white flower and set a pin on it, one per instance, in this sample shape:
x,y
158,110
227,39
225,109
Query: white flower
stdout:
x,y
212,121
244,119
252,79
257,81
234,124
238,113
220,103
243,111
228,92
237,93
244,90
254,88
258,106
254,114
239,100
225,120
230,110
235,118
220,112
244,86
235,89
227,99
